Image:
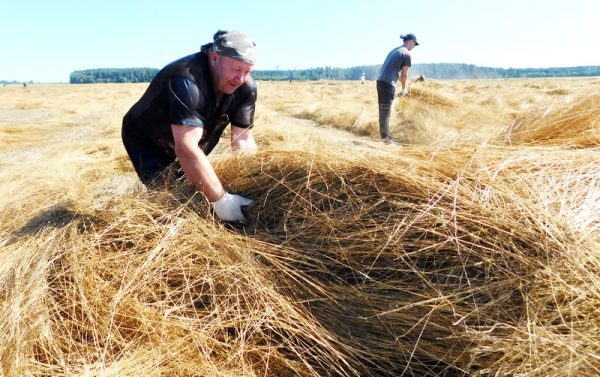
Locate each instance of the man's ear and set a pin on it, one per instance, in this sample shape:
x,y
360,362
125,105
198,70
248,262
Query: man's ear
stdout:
x,y
213,57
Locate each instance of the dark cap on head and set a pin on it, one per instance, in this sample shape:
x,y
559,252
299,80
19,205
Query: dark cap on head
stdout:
x,y
409,37
235,45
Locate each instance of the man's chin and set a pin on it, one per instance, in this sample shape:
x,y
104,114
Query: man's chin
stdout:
x,y
228,89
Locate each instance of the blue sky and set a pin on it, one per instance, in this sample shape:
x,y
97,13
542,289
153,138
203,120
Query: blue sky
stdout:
x,y
44,40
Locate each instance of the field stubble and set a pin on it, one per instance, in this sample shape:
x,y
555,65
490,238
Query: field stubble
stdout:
x,y
472,249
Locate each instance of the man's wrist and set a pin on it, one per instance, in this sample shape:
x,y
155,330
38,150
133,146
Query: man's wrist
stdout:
x,y
220,196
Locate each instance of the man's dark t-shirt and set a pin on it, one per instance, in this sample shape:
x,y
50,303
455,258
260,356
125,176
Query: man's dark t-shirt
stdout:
x,y
395,60
182,94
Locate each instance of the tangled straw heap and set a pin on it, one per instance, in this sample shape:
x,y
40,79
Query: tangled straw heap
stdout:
x,y
455,262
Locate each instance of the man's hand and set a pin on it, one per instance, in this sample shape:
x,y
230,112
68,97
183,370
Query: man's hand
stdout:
x,y
242,139
229,208
404,92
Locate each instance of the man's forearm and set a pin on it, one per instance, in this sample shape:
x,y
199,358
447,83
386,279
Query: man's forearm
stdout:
x,y
200,172
403,78
242,139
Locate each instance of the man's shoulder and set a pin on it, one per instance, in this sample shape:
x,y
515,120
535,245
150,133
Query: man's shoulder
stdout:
x,y
247,87
251,84
188,66
191,70
186,59
403,51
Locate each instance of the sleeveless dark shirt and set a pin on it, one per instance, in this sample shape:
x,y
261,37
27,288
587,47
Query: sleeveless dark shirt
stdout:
x,y
182,94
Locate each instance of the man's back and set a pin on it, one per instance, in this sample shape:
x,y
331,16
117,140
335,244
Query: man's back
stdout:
x,y
395,60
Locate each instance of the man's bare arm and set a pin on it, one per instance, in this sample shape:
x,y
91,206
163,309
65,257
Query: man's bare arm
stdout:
x,y
242,139
195,163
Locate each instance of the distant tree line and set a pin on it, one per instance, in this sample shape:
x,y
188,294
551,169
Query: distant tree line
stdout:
x,y
440,71
554,72
4,82
105,75
322,73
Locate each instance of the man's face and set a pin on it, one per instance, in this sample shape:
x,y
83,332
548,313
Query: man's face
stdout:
x,y
228,74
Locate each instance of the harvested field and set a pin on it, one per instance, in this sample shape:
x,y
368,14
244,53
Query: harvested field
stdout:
x,y
471,248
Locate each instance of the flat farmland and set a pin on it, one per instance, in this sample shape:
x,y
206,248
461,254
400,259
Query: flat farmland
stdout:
x,y
470,247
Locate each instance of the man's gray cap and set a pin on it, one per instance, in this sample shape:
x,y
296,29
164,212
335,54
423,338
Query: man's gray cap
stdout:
x,y
235,45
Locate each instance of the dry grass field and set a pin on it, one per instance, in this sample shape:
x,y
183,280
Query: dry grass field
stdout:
x,y
471,248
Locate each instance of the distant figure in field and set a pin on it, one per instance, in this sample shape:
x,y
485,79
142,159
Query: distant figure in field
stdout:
x,y
24,85
184,111
396,65
362,78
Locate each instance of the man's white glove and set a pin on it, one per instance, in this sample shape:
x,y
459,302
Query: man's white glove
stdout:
x,y
404,92
229,207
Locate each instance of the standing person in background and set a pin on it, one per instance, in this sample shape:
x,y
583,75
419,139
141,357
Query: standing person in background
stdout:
x,y
362,78
184,111
396,65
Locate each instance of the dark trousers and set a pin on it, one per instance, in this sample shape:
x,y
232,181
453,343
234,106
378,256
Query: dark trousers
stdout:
x,y
149,160
385,97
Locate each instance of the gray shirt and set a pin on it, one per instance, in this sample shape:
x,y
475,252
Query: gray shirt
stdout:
x,y
396,59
